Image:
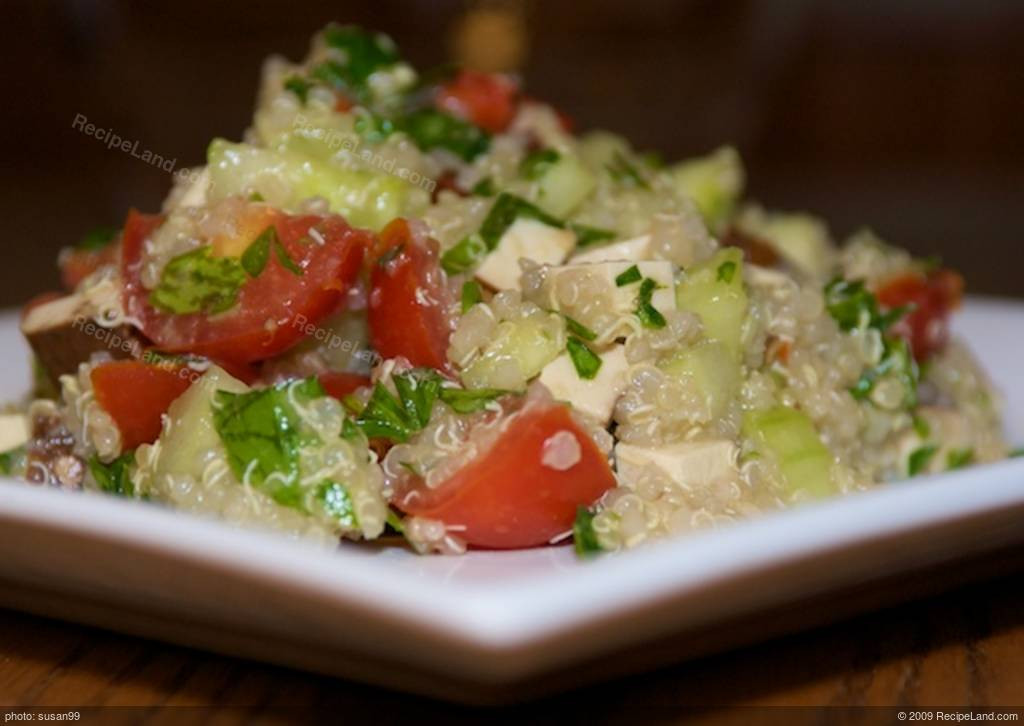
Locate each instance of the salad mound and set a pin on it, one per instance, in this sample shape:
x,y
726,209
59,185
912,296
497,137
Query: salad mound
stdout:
x,y
422,304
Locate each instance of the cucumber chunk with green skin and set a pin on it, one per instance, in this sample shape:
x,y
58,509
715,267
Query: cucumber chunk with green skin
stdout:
x,y
364,198
714,290
714,182
563,186
519,351
790,439
712,368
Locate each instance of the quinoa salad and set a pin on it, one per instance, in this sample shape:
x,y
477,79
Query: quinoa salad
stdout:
x,y
421,304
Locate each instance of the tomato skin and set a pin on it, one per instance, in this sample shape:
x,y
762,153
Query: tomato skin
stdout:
x,y
76,265
338,385
409,298
275,310
488,100
507,498
137,395
933,297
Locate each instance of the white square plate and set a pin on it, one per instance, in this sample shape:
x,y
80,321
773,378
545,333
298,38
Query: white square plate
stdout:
x,y
494,626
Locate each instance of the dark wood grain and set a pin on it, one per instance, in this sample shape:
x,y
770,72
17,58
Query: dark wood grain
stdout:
x,y
962,649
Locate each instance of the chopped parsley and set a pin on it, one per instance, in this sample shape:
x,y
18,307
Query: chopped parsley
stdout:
x,y
9,460
538,162
199,282
465,400
256,197
364,53
726,271
583,535
959,458
282,256
471,294
852,306
96,239
432,129
624,172
335,500
115,477
921,427
484,188
586,236
256,255
628,277
649,315
920,458
373,128
465,255
579,329
586,361
897,361
263,435
299,86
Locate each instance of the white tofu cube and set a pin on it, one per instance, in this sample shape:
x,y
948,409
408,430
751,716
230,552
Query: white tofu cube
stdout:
x,y
529,238
595,397
693,463
632,250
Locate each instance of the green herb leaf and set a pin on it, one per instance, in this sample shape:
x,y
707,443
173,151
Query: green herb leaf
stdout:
x,y
97,239
463,400
432,129
115,477
394,521
579,329
263,435
921,427
649,315
628,277
920,458
538,162
349,430
726,271
587,236
583,535
484,188
417,390
373,128
959,458
256,197
11,460
853,306
1016,453
198,282
299,86
385,418
364,54
337,504
256,255
586,361
624,172
465,255
506,210
896,361
282,256
471,294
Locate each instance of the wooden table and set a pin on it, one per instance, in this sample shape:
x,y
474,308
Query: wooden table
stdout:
x,y
961,649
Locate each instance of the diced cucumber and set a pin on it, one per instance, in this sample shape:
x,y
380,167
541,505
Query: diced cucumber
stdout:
x,y
285,177
788,436
714,182
186,443
600,148
563,186
519,352
802,239
712,367
714,290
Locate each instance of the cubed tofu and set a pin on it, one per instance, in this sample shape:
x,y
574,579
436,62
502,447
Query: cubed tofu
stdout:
x,y
13,431
664,297
693,463
595,397
195,195
529,238
632,250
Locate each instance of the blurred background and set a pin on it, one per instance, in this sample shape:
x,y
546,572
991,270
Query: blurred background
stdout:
x,y
905,115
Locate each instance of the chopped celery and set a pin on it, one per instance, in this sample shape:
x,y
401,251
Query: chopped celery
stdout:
x,y
364,198
713,368
788,437
714,182
719,299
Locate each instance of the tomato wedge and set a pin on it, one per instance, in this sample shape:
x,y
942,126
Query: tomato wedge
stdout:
x,y
522,492
137,395
409,299
931,297
339,385
488,100
275,310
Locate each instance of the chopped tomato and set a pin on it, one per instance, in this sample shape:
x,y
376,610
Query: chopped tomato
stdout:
x,y
339,385
137,395
488,100
525,489
931,298
76,265
343,103
275,310
409,299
